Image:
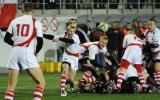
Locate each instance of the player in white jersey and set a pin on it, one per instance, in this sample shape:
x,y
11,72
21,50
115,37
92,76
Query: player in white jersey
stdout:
x,y
153,41
21,34
93,49
70,57
132,55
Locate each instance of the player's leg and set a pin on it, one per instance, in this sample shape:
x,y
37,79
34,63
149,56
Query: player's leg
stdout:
x,y
157,71
29,63
157,68
141,78
13,75
85,78
72,74
138,65
120,77
64,78
125,62
37,76
12,82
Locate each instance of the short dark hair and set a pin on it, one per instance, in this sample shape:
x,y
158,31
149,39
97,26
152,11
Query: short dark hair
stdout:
x,y
154,20
27,7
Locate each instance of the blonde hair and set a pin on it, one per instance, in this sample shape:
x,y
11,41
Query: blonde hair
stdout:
x,y
104,38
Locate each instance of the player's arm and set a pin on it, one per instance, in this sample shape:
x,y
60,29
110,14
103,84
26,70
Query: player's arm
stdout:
x,y
9,34
39,44
152,45
95,63
57,38
49,37
39,37
66,40
8,38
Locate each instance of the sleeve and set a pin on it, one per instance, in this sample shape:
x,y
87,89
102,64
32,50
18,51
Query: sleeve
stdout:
x,y
10,28
38,26
92,52
125,42
66,40
48,36
8,39
39,44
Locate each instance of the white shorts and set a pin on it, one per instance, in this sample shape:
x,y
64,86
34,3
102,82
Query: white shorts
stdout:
x,y
131,72
133,54
72,60
22,57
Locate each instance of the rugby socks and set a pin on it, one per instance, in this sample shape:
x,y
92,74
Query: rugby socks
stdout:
x,y
91,79
71,83
38,93
120,79
9,95
85,78
157,77
142,81
63,82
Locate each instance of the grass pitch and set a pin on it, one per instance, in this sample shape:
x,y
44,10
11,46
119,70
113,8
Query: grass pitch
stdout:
x,y
26,87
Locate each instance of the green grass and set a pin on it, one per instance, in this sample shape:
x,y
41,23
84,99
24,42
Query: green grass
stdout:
x,y
26,86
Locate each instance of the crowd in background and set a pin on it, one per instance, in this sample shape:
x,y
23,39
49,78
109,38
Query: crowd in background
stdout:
x,y
98,4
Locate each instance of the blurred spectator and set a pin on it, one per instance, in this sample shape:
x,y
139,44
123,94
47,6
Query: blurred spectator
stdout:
x,y
87,28
136,27
114,4
126,28
99,31
51,4
157,4
132,4
100,4
84,4
52,1
67,4
115,37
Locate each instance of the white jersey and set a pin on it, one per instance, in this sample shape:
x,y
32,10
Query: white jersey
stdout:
x,y
24,30
74,47
131,40
153,37
72,52
93,49
133,50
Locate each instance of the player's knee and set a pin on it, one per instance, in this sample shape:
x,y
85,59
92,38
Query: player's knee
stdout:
x,y
157,67
65,68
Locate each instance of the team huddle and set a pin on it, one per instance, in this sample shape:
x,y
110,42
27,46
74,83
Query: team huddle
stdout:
x,y
138,70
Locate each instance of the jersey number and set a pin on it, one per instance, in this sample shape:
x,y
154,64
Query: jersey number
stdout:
x,y
22,29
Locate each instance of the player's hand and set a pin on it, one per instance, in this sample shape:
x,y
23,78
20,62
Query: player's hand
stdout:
x,y
56,39
35,54
108,61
